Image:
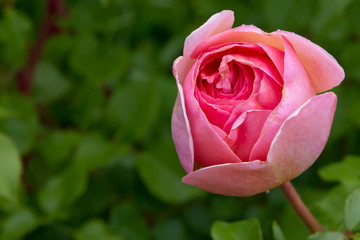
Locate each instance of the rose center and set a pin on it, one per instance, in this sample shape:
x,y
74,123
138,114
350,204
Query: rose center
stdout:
x,y
226,78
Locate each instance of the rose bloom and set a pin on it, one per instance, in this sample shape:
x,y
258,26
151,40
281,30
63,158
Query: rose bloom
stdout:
x,y
247,117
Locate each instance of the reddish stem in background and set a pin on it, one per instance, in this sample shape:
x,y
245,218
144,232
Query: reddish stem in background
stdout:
x,y
55,8
300,208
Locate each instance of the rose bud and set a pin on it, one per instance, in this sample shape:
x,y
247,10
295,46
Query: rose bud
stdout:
x,y
247,117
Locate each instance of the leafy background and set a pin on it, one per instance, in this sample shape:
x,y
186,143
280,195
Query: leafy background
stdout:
x,y
85,144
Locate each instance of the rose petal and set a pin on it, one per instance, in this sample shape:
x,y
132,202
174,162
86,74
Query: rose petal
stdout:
x,y
181,66
296,146
235,179
243,33
209,147
323,69
302,136
180,129
297,90
245,105
269,93
217,23
181,134
254,61
215,114
277,57
243,136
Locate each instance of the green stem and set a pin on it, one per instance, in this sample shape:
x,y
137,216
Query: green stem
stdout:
x,y
300,208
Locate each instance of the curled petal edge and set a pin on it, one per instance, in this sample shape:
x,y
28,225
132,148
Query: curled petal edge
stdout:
x,y
180,127
323,68
290,154
217,23
320,65
307,129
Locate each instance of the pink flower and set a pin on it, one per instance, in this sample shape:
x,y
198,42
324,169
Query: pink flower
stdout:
x,y
247,117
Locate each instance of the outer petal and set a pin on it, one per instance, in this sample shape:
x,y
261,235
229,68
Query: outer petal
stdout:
x,y
180,124
235,179
180,127
296,146
296,91
302,136
323,69
181,134
217,23
244,33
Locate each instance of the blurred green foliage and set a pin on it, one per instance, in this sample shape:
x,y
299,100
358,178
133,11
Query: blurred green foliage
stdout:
x,y
242,230
88,153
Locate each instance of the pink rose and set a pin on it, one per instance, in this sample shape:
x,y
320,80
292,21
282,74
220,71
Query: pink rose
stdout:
x,y
247,117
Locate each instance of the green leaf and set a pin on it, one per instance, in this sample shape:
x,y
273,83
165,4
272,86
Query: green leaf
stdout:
x,y
67,186
243,230
96,61
23,125
352,211
94,152
10,169
349,55
51,231
346,171
294,14
167,91
49,84
95,230
14,35
57,147
4,113
226,208
279,19
277,233
198,217
104,3
58,48
82,57
170,229
61,191
356,236
327,236
19,223
125,219
328,211
163,182
331,10
291,224
339,172
98,197
105,17
352,13
133,109
88,105
354,111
